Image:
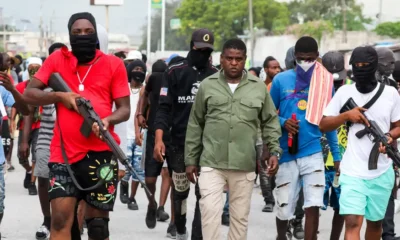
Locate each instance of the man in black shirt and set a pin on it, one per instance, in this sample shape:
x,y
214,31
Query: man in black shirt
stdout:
x,y
179,87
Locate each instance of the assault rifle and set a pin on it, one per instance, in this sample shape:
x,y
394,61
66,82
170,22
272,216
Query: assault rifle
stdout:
x,y
377,136
85,108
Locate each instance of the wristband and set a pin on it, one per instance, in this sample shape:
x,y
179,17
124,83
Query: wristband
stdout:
x,y
389,135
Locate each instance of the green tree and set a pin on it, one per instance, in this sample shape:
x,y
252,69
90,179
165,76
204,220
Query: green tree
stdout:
x,y
329,10
173,41
315,29
229,18
391,29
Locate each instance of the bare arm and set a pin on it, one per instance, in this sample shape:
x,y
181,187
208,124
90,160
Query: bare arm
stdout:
x,y
34,94
331,123
395,130
139,110
20,103
143,102
26,131
121,114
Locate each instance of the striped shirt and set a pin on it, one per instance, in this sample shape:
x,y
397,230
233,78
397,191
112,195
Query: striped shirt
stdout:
x,y
48,119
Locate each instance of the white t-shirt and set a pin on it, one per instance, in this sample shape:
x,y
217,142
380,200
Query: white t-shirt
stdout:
x,y
233,86
384,111
130,124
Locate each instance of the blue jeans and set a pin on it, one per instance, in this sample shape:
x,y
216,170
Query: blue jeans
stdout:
x,y
135,155
226,206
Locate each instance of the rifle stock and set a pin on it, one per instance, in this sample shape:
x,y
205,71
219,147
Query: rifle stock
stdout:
x,y
86,110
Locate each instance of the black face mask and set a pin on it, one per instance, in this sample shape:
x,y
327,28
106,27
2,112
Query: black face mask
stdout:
x,y
200,59
365,76
84,47
137,77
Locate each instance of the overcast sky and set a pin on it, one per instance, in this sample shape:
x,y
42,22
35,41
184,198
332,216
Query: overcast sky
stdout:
x,y
128,18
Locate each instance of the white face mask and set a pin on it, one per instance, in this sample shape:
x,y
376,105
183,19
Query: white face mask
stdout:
x,y
305,65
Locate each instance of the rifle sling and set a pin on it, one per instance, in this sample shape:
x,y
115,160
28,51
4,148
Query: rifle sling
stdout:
x,y
69,169
376,96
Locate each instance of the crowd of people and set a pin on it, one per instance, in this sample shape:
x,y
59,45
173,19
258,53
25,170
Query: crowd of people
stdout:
x,y
218,127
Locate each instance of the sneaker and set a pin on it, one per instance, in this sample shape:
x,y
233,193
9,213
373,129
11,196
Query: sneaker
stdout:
x,y
123,193
269,207
225,220
289,234
161,215
182,237
298,230
27,180
132,205
151,220
171,231
32,189
42,233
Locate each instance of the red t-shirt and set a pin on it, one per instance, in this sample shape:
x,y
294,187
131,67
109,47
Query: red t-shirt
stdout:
x,y
106,81
21,89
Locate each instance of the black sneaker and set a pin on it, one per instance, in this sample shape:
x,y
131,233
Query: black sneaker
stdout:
x,y
123,193
151,220
171,231
32,189
27,180
298,230
132,205
225,220
162,216
269,207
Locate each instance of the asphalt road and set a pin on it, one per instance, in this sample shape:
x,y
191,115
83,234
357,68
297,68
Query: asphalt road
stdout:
x,y
23,216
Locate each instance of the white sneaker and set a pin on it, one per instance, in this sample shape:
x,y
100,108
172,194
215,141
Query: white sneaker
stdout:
x,y
42,233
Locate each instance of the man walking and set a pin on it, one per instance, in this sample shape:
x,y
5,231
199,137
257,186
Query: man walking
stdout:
x,y
297,95
365,193
229,107
103,80
178,91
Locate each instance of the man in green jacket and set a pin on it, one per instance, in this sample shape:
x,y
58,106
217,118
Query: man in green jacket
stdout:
x,y
221,134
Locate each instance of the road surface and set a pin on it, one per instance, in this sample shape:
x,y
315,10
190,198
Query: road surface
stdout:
x,y
23,216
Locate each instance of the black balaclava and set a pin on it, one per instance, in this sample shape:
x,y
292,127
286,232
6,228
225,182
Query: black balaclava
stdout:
x,y
365,76
199,58
136,76
83,46
385,61
159,66
55,46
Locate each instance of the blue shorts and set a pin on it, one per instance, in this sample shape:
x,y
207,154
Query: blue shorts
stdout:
x,y
367,198
135,155
333,199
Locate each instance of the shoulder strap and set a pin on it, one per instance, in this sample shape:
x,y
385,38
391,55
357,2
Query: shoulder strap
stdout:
x,y
376,96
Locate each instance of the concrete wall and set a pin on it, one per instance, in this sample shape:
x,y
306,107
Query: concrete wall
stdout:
x,y
277,46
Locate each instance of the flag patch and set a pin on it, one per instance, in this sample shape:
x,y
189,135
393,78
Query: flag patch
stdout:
x,y
163,91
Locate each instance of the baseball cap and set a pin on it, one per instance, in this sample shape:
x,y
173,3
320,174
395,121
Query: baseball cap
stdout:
x,y
334,62
132,55
203,38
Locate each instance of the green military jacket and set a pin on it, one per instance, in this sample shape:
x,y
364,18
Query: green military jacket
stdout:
x,y
222,128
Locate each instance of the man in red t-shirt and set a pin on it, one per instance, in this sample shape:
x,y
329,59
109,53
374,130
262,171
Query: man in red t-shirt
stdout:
x,y
102,79
28,130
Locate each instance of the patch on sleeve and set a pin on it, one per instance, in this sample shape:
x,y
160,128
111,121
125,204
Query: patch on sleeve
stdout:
x,y
163,91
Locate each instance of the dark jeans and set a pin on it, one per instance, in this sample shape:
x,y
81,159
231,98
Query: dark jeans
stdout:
x,y
299,212
388,222
267,184
181,193
226,206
